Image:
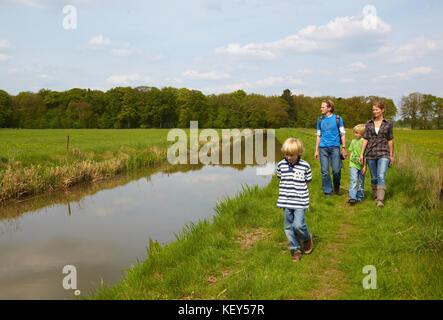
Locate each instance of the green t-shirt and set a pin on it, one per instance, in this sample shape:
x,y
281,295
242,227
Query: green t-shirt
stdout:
x,y
355,148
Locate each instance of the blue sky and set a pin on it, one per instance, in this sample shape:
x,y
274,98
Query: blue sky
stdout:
x,y
338,48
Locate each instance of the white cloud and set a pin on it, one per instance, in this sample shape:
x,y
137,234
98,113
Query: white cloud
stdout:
x,y
119,49
406,75
356,66
263,83
412,50
194,74
4,57
122,52
44,4
420,70
99,41
347,80
304,71
311,38
254,50
4,44
128,79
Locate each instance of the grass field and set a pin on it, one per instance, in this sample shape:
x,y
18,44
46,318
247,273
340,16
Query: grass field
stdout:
x,y
36,161
243,254
48,147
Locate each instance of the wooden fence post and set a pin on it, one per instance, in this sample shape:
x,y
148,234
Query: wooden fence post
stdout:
x,y
67,144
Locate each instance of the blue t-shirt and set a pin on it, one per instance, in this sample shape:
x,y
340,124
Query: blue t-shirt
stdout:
x,y
329,133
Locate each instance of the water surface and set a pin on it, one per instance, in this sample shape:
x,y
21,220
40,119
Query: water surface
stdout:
x,y
103,228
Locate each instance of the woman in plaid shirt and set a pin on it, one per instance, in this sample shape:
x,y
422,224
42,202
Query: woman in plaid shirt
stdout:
x,y
378,141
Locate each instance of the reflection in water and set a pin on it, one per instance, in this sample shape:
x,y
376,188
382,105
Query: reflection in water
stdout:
x,y
103,228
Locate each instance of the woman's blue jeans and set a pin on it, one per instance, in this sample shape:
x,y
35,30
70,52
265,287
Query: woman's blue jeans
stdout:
x,y
330,155
378,168
295,227
356,184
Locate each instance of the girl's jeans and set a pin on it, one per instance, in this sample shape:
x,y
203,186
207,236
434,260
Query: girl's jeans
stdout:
x,y
378,168
295,227
356,184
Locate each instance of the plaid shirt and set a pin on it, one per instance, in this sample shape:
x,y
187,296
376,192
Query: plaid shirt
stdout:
x,y
378,143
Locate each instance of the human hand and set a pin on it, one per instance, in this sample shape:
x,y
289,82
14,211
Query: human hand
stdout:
x,y
344,154
360,160
363,171
316,155
391,160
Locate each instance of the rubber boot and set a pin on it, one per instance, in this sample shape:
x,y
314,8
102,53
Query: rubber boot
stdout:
x,y
381,190
374,192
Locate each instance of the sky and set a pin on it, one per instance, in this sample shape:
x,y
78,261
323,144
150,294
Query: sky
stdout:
x,y
316,48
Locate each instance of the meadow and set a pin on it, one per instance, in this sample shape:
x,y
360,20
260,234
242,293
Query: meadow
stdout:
x,y
36,161
243,252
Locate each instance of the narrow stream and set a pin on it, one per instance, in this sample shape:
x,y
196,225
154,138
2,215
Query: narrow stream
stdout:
x,y
103,228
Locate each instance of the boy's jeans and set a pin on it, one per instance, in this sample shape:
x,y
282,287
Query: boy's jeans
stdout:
x,y
356,184
332,154
295,227
378,168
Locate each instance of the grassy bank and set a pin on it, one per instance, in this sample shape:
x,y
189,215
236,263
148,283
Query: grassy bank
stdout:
x,y
243,253
35,161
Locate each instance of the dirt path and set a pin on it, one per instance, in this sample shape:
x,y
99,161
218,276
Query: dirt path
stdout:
x,y
331,278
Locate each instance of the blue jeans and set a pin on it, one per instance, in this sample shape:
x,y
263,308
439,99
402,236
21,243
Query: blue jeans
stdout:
x,y
378,168
332,155
295,227
356,184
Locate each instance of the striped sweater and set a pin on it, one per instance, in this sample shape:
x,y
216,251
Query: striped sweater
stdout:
x,y
293,188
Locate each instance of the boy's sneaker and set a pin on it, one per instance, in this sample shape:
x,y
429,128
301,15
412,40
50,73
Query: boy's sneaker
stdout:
x,y
352,201
308,245
296,255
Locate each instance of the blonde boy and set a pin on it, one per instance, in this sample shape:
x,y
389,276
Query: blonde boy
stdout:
x,y
295,174
357,171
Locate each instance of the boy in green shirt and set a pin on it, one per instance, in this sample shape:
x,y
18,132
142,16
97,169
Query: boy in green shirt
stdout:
x,y
357,171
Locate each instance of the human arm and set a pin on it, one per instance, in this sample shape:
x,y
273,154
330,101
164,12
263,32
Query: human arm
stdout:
x,y
317,143
363,148
278,171
391,152
363,170
391,143
342,133
343,143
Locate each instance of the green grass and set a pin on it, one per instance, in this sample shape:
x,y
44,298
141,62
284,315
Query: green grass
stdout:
x,y
424,145
243,254
48,146
38,161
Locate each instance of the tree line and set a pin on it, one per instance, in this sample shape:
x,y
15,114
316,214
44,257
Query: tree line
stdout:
x,y
168,107
421,111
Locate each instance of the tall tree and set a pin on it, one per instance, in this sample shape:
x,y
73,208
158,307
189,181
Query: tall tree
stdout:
x,y
5,109
292,111
410,107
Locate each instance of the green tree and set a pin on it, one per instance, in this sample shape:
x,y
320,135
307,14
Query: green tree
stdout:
x,y
410,107
5,109
129,111
292,111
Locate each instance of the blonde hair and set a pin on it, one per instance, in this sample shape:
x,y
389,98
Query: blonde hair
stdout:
x,y
293,146
360,129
